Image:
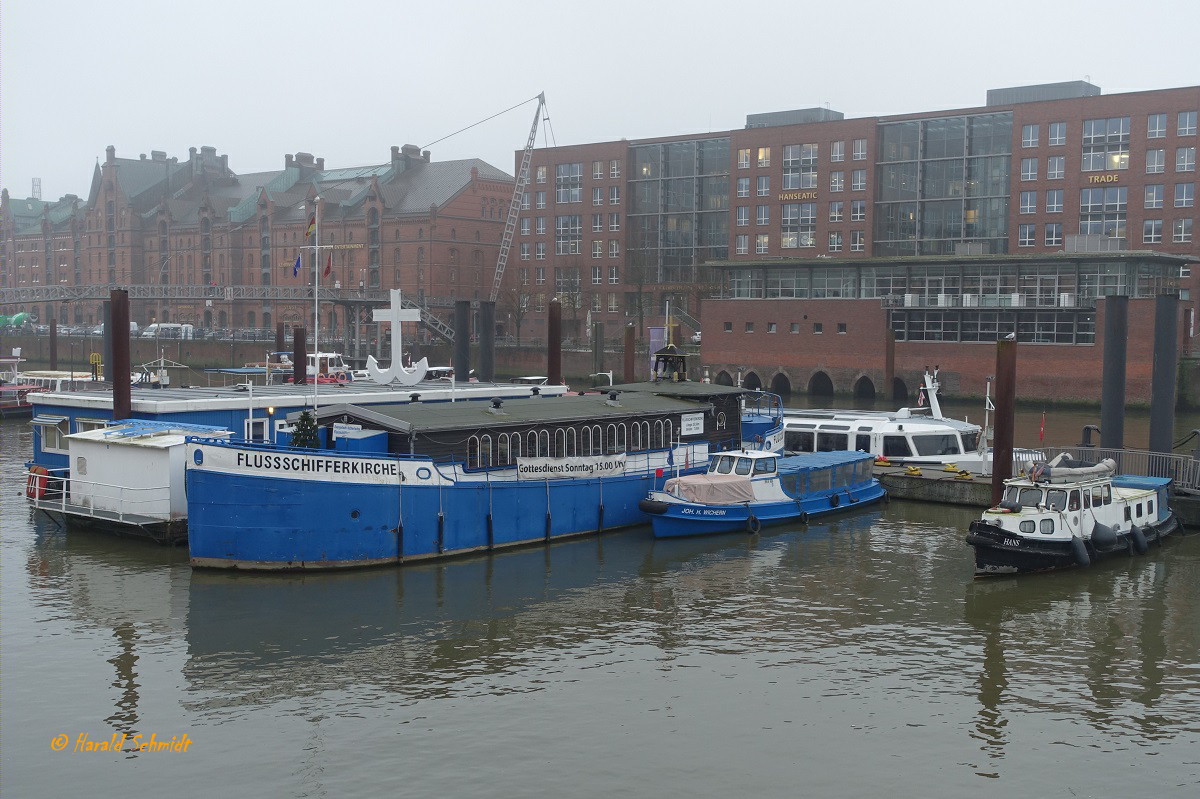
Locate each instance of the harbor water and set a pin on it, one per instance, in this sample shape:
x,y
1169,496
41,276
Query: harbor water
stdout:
x,y
856,657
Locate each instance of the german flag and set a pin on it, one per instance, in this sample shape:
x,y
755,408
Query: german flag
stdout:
x,y
312,226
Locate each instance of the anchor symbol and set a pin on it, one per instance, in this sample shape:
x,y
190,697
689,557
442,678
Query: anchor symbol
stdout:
x,y
396,373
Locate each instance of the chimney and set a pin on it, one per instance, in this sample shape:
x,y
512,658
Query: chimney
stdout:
x,y
142,156
288,161
474,174
192,153
155,155
110,153
321,164
425,155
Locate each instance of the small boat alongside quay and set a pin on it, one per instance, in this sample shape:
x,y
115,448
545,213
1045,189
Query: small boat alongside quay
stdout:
x,y
1068,514
919,436
746,490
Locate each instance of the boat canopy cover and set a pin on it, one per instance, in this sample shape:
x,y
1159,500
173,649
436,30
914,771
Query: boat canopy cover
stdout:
x,y
1065,470
711,489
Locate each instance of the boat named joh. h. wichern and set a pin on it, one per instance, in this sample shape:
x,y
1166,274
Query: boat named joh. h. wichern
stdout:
x,y
749,489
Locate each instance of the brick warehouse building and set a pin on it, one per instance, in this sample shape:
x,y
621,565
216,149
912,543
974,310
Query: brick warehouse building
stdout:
x,y
618,229
429,228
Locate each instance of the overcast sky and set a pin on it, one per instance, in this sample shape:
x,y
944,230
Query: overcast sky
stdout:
x,y
347,79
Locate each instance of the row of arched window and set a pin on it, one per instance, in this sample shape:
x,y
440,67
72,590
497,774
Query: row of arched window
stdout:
x,y
503,449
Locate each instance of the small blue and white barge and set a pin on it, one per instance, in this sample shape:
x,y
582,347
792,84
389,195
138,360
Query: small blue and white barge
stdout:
x,y
747,490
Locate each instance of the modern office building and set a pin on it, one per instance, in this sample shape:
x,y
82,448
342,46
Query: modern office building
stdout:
x,y
626,227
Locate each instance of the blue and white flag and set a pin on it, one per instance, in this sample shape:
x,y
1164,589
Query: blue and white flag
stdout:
x,y
296,267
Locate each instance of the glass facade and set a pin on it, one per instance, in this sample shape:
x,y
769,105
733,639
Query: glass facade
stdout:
x,y
1041,301
941,183
679,208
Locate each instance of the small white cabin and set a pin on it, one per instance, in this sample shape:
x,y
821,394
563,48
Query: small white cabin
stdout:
x,y
132,469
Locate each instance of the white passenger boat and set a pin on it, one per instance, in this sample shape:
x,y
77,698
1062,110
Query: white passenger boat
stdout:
x,y
919,436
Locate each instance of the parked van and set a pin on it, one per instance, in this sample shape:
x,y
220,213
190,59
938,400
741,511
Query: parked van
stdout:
x,y
168,330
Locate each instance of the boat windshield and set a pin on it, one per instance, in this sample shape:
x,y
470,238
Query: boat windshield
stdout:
x,y
721,465
1056,499
743,466
1030,497
764,466
970,442
942,444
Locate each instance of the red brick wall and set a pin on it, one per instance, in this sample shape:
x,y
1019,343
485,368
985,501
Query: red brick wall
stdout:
x,y
1052,372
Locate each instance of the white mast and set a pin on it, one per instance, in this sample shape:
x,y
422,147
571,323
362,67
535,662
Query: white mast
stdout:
x,y
316,300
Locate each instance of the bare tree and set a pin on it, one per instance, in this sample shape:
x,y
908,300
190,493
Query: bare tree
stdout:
x,y
516,304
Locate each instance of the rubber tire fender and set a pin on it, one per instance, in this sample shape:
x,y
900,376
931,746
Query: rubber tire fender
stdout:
x,y
834,500
1079,551
753,525
1138,538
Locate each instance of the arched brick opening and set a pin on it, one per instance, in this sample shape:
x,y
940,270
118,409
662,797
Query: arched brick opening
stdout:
x,y
820,385
752,381
899,392
724,378
864,388
781,385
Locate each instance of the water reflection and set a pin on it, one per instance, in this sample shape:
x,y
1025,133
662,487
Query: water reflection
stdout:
x,y
422,631
867,625
1114,647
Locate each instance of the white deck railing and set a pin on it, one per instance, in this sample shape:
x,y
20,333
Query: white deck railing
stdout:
x,y
125,504
1183,469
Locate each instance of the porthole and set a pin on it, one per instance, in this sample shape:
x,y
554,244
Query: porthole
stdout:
x,y
423,473
354,514
198,456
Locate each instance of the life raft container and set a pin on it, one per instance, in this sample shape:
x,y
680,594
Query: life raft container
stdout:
x,y
35,485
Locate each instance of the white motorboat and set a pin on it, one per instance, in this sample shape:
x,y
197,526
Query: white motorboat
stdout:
x,y
919,436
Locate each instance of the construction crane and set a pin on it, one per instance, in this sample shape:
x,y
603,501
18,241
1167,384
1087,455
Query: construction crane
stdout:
x,y
514,206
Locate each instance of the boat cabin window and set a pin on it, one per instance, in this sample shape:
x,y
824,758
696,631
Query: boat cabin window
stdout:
x,y
862,442
83,425
1028,526
1128,515
722,465
896,447
1073,501
1107,495
798,440
764,466
970,442
831,442
743,466
1047,526
1030,497
1087,498
1097,493
1056,499
946,444
53,429
1139,509
1150,508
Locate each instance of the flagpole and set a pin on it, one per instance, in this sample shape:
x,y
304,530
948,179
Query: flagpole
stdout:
x,y
316,301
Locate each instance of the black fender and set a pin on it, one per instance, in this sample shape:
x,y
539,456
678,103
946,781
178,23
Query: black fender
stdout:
x,y
655,506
